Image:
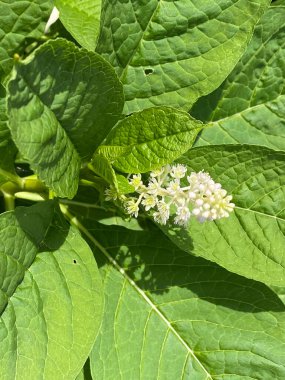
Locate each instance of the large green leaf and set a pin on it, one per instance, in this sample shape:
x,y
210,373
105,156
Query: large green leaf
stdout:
x,y
251,241
173,52
20,20
63,102
50,302
250,105
81,19
169,315
149,139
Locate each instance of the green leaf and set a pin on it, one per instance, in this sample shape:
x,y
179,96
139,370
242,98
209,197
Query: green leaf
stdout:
x,y
251,241
169,315
150,139
20,20
250,105
63,102
124,186
7,147
85,373
50,302
173,52
81,19
103,168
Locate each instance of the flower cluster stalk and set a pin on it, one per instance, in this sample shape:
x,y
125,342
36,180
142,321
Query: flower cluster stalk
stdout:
x,y
164,194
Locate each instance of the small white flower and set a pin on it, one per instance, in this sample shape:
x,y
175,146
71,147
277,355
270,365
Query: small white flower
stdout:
x,y
182,216
132,207
163,212
178,171
136,181
111,194
174,187
157,172
149,201
202,198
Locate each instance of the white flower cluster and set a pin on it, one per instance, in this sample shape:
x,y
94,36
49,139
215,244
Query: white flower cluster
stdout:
x,y
201,198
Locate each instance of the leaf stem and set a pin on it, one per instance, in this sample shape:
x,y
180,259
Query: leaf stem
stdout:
x,y
9,201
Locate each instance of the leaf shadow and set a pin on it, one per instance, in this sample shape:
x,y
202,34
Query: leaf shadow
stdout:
x,y
159,267
44,225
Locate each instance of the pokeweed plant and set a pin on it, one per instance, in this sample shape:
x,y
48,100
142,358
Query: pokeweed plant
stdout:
x,y
142,182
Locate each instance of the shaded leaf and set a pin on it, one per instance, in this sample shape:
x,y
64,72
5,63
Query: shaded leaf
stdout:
x,y
20,20
251,241
62,110
169,315
50,302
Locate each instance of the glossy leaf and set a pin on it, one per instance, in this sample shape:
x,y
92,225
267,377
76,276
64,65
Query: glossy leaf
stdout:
x,y
251,241
62,110
250,105
50,301
81,19
150,139
169,315
173,52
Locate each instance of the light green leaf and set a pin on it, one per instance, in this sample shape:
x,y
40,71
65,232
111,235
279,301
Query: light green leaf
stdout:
x,y
103,168
250,105
173,52
81,19
169,315
50,302
20,20
150,139
124,186
251,241
63,102
85,373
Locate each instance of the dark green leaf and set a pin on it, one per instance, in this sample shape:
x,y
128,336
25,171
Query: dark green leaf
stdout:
x,y
63,101
20,20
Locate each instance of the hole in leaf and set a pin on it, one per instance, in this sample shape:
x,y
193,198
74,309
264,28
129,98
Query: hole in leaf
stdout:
x,y
74,261
148,71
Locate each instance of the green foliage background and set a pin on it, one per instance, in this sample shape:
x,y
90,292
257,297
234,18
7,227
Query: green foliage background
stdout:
x,y
123,87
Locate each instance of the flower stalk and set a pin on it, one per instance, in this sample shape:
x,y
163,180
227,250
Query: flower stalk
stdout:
x,y
164,194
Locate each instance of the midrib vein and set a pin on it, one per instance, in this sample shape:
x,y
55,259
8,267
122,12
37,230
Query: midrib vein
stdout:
x,y
123,74
80,226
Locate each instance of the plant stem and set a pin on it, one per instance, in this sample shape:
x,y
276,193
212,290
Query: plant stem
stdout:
x,y
9,201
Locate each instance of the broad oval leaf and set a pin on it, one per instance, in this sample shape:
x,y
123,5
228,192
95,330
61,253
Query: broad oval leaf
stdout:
x,y
50,302
20,20
251,241
250,105
169,315
62,103
173,52
150,139
81,19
